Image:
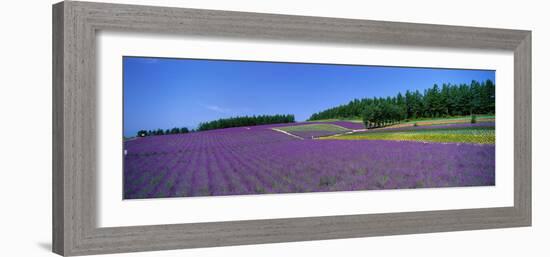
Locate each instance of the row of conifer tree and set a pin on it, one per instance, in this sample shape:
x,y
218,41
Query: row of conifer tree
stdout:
x,y
447,100
158,132
246,121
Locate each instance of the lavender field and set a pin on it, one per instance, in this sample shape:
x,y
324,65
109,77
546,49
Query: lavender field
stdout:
x,y
261,160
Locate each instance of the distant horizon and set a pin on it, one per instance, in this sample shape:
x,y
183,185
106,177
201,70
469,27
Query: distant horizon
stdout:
x,y
167,92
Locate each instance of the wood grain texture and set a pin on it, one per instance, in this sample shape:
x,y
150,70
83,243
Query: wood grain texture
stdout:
x,y
58,229
522,129
75,25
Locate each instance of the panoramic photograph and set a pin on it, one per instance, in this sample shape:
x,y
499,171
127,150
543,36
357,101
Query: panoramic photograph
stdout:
x,y
198,127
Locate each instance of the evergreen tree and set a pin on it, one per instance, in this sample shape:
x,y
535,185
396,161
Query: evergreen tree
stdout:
x,y
246,121
463,99
142,133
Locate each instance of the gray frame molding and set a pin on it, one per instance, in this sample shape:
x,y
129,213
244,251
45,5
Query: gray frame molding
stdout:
x,y
74,113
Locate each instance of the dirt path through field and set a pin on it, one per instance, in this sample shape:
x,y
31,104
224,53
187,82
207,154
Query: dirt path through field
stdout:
x,y
286,133
347,133
334,135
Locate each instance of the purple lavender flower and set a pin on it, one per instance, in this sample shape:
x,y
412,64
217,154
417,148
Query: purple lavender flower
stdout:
x,y
258,160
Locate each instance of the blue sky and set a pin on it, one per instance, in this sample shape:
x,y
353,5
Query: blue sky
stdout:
x,y
166,93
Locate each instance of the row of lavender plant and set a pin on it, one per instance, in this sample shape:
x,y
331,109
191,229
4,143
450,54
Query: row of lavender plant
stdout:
x,y
258,160
442,126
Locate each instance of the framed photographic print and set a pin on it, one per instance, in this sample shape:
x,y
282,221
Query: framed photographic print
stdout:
x,y
182,128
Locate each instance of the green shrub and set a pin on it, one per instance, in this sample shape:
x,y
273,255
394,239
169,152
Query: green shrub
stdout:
x,y
474,120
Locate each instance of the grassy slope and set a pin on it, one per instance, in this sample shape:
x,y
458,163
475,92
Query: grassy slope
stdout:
x,y
354,120
453,119
443,121
463,135
425,121
314,127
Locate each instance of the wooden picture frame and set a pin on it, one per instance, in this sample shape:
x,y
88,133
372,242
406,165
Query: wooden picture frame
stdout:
x,y
75,25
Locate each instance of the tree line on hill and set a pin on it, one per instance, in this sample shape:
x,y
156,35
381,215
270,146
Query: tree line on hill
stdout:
x,y
223,123
449,100
158,132
246,121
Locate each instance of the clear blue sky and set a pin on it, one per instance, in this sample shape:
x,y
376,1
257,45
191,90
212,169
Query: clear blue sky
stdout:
x,y
167,93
